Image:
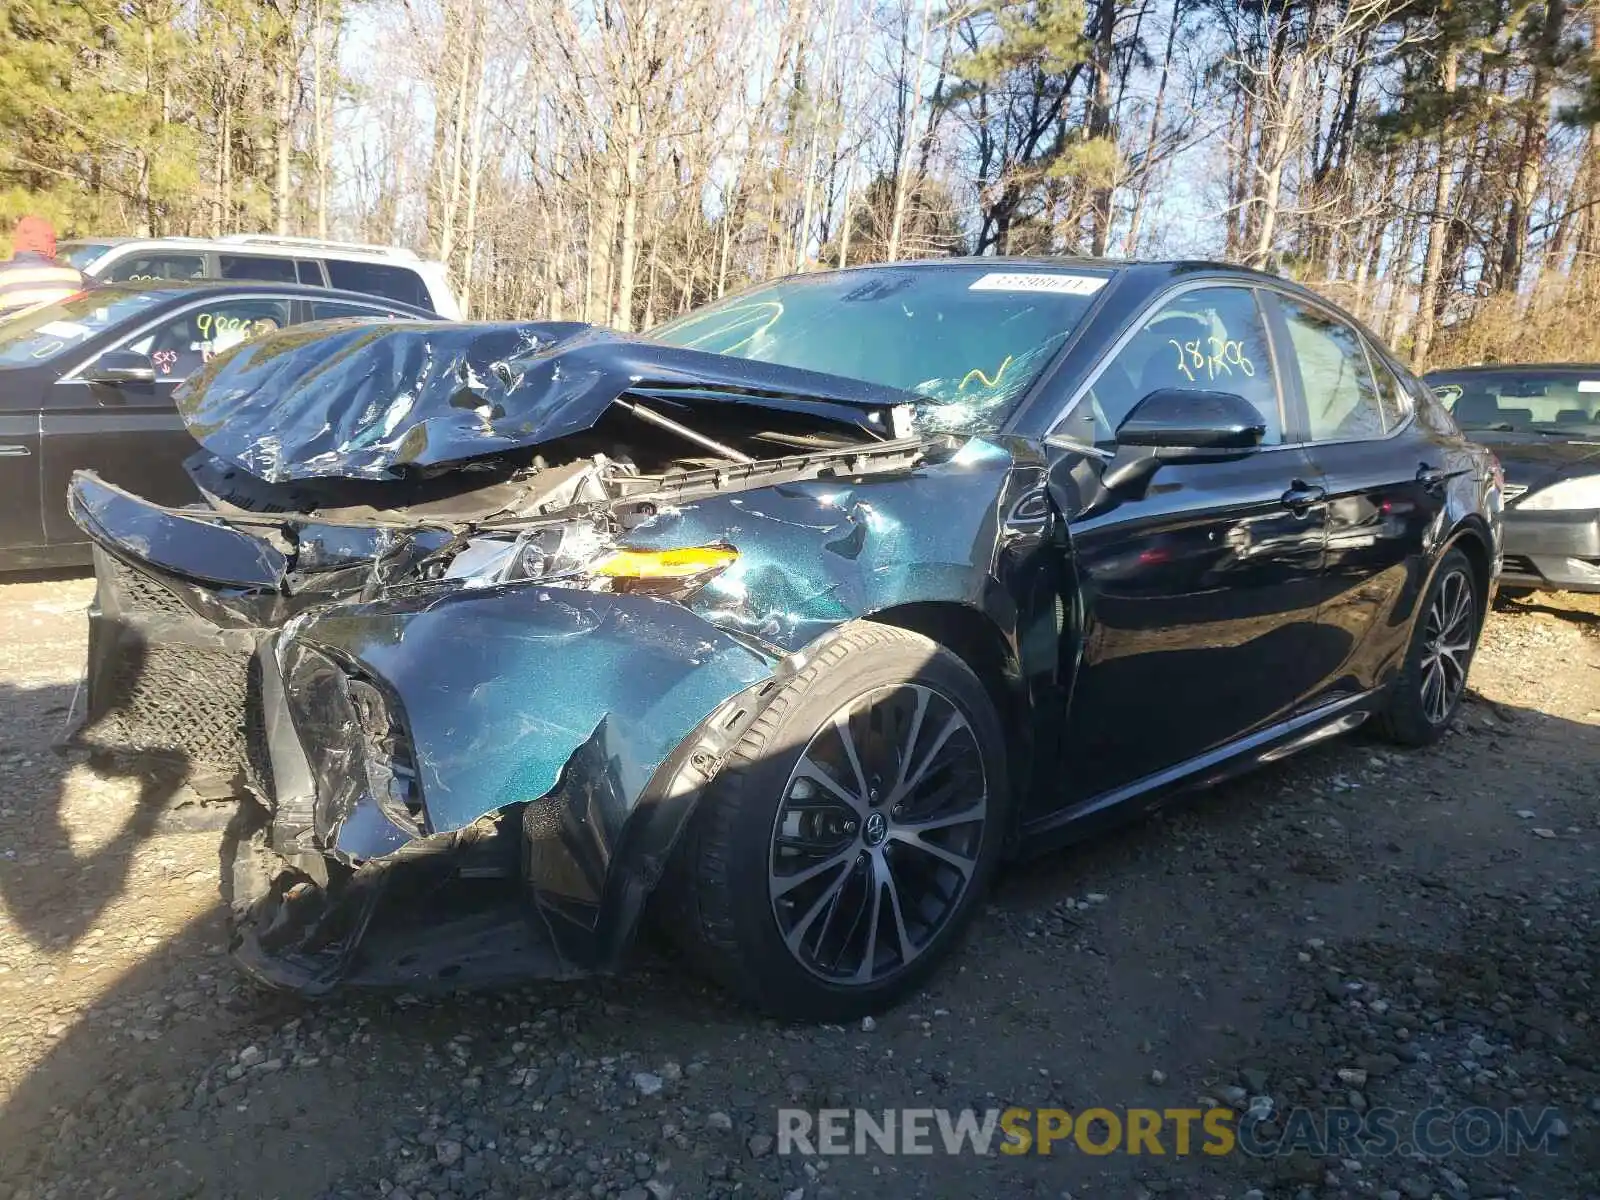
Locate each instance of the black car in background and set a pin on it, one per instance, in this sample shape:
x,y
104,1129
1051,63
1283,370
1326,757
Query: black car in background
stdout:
x,y
1543,422
88,384
788,622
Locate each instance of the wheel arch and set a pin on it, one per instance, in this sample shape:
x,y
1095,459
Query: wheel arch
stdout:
x,y
1471,536
979,641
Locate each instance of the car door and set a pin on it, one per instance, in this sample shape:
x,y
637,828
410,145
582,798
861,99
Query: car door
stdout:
x,y
1386,483
130,433
1200,596
20,522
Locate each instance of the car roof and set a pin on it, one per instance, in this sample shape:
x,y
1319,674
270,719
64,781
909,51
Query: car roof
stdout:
x,y
1173,266
264,246
180,289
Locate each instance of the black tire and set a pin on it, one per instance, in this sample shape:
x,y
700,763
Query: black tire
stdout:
x,y
731,886
1414,715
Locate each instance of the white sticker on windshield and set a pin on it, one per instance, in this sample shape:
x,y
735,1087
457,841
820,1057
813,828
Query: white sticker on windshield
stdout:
x,y
1589,385
63,329
1039,281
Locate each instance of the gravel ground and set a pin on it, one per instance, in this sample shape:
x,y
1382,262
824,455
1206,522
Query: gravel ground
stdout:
x,y
1355,927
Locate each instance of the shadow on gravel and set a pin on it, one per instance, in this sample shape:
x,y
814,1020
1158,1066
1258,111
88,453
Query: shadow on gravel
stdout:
x,y
161,1117
1538,602
49,891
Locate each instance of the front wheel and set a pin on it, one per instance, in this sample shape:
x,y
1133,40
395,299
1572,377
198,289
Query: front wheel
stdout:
x,y
848,837
1424,697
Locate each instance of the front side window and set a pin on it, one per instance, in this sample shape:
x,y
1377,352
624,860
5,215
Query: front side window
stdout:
x,y
256,267
149,268
183,344
965,341
1208,340
1342,401
1555,402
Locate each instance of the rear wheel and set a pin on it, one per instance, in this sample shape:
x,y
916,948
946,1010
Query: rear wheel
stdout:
x,y
1424,697
850,834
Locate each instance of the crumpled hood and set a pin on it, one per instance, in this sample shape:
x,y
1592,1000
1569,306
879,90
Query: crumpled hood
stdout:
x,y
374,399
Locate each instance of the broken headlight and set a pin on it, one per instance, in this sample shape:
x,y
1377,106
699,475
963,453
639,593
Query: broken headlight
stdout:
x,y
546,552
578,555
354,740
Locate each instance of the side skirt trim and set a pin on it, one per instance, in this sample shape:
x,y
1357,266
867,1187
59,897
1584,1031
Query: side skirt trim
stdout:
x,y
1268,745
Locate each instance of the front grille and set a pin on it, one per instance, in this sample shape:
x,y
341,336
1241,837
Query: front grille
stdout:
x,y
137,592
178,701
1512,490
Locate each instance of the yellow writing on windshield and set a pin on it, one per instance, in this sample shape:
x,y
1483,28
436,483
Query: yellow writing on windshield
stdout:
x,y
982,378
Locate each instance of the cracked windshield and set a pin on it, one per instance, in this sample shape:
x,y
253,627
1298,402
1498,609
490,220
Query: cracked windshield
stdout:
x,y
967,340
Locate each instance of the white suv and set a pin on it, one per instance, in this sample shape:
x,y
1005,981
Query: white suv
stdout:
x,y
386,271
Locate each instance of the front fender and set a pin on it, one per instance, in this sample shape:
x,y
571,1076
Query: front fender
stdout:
x,y
498,689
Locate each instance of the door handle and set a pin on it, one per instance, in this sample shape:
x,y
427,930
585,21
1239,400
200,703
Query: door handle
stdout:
x,y
14,451
1301,496
1431,478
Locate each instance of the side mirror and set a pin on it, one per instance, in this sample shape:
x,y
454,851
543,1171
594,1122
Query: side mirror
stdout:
x,y
1176,419
1175,425
121,366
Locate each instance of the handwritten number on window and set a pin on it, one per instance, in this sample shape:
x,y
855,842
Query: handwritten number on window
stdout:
x,y
1213,358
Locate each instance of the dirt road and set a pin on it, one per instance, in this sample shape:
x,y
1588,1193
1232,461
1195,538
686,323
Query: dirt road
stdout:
x,y
1355,928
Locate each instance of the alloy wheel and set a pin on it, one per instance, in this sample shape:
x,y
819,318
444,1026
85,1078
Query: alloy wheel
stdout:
x,y
878,834
1447,639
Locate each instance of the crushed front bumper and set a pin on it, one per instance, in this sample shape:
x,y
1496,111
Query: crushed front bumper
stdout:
x,y
1557,550
448,786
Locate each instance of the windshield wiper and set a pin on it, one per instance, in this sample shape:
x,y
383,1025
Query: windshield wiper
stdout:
x,y
1497,427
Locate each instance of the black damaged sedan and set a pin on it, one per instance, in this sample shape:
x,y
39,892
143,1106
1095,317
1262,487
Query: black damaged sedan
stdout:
x,y
782,627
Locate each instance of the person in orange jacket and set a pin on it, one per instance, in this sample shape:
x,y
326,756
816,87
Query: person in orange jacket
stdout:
x,y
34,275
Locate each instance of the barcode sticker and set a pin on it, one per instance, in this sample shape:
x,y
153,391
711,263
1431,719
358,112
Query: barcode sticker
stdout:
x,y
1039,281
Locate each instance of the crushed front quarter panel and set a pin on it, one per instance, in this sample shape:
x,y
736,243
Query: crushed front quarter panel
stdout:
x,y
499,688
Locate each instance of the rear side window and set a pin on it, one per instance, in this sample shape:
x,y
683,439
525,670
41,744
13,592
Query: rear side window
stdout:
x,y
311,272
256,266
1342,402
1393,399
142,268
379,279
